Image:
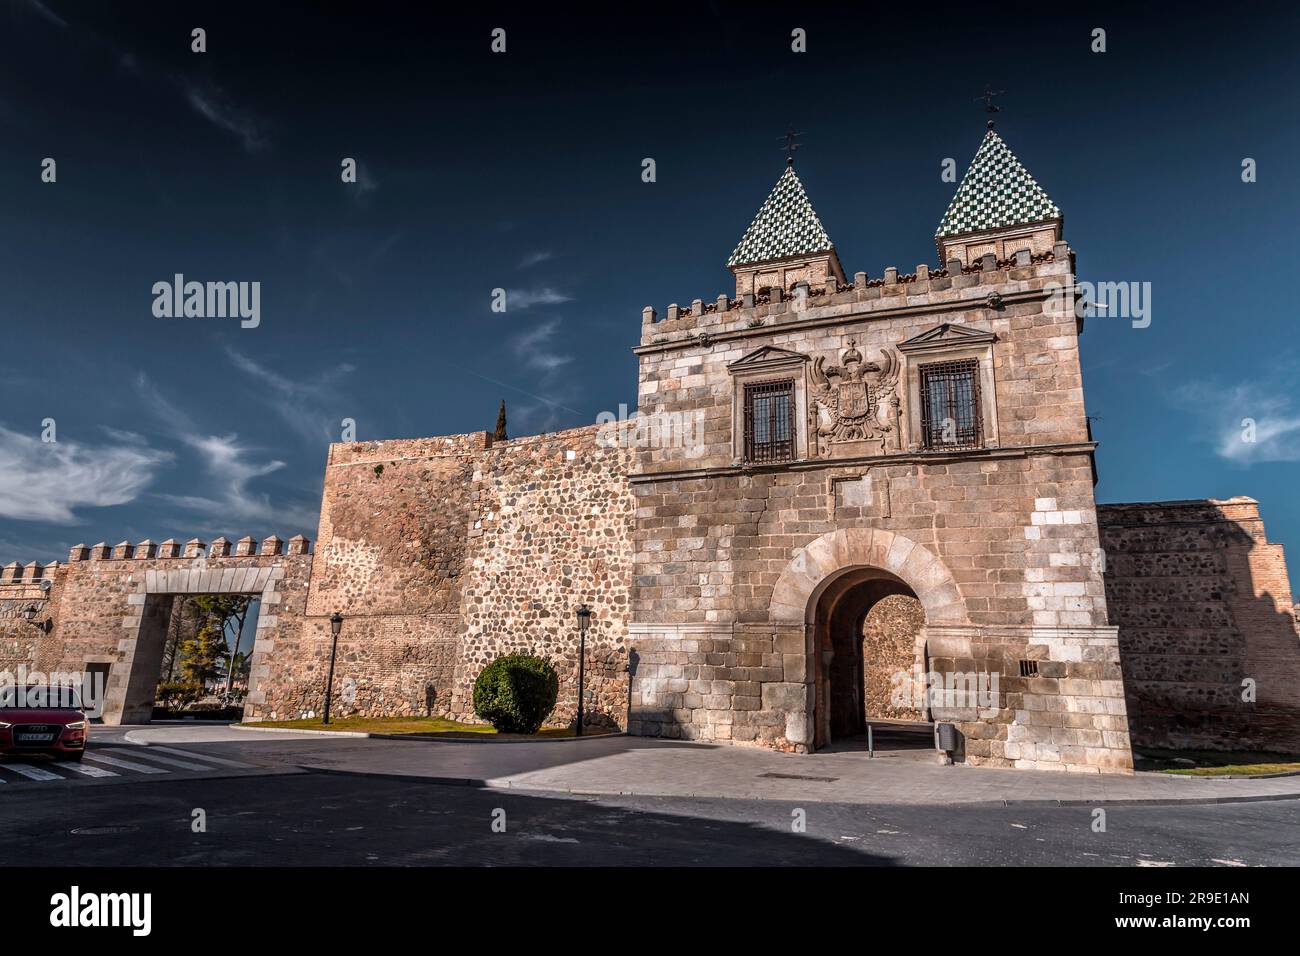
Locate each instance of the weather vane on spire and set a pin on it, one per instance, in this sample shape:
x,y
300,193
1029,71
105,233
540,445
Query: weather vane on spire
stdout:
x,y
790,146
989,107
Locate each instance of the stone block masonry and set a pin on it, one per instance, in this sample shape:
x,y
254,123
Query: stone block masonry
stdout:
x,y
753,579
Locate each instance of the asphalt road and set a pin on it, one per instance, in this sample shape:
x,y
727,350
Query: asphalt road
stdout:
x,y
343,819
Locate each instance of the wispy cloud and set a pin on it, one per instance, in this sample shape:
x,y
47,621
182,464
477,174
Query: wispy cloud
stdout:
x,y
230,469
163,408
1250,422
517,300
366,184
300,405
46,13
213,105
534,258
207,100
42,481
122,435
535,348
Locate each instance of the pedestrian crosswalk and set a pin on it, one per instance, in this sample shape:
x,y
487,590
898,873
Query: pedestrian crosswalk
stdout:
x,y
124,762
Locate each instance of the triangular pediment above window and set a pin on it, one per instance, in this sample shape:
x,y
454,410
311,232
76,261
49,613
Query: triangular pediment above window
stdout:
x,y
942,336
768,356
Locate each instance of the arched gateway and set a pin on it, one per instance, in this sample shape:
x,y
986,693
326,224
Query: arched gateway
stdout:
x,y
830,588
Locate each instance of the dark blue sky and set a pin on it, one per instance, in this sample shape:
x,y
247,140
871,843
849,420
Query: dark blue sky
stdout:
x,y
522,171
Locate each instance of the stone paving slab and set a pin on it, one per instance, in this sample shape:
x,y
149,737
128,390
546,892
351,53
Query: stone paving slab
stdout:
x,y
913,778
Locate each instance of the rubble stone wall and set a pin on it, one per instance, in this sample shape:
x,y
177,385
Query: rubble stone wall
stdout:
x,y
889,640
443,554
1205,616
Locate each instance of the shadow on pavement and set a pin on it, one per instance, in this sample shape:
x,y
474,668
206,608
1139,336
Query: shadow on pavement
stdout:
x,y
327,820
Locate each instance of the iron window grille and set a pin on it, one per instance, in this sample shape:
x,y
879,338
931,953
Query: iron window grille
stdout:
x,y
769,421
951,416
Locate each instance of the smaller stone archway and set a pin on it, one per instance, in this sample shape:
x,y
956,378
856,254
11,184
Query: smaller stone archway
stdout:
x,y
829,588
818,564
131,701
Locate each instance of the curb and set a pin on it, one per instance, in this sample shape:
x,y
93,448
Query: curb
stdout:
x,y
301,733
487,738
1235,776
506,784
1023,804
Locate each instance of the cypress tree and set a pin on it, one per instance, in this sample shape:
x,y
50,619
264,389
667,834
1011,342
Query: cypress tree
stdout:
x,y
500,433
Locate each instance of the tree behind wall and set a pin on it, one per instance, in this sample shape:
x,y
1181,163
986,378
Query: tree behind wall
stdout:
x,y
500,433
203,654
183,625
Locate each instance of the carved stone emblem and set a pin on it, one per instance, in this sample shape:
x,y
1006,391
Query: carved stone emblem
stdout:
x,y
857,406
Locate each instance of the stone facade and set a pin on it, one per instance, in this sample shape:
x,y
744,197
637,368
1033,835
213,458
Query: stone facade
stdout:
x,y
999,542
828,483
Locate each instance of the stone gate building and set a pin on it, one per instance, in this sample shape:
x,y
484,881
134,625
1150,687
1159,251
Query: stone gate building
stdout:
x,y
808,451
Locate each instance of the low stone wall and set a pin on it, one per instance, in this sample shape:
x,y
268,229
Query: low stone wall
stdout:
x,y
108,607
1208,637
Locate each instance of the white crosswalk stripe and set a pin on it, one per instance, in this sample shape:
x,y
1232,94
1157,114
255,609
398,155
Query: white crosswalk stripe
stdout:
x,y
222,761
32,773
119,762
125,762
148,754
86,771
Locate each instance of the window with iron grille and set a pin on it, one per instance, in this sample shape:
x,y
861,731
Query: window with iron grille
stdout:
x,y
950,405
769,421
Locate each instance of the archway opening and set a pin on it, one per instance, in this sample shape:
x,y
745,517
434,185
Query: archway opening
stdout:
x,y
867,643
191,659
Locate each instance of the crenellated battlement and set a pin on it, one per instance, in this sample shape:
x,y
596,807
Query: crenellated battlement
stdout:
x,y
32,576
147,550
770,307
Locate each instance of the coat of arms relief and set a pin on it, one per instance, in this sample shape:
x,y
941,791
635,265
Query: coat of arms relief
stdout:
x,y
856,404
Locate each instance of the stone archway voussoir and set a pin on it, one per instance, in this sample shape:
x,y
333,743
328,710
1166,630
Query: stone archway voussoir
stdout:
x,y
866,547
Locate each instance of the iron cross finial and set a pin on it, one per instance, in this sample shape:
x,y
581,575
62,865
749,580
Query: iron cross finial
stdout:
x,y
989,107
790,146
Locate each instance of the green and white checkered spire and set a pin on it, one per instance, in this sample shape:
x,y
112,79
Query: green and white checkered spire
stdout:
x,y
785,226
996,193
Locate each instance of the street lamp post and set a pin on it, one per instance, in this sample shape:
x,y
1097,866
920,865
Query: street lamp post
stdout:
x,y
336,625
584,618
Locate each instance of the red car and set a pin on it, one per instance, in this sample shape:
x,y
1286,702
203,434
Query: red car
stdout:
x,y
40,719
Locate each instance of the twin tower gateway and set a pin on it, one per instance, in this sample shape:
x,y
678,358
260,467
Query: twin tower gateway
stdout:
x,y
909,441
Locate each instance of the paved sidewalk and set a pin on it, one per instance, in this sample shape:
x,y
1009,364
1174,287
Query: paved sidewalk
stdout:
x,y
901,778
647,767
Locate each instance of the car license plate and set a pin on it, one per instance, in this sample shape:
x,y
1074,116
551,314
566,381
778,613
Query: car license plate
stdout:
x,y
31,738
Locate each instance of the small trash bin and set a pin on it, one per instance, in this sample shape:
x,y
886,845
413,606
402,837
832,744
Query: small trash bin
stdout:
x,y
945,737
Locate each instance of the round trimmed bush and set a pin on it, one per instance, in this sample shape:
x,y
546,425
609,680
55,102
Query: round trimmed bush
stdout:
x,y
516,693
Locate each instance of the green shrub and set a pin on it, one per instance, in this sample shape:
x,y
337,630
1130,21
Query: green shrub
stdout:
x,y
176,693
516,693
